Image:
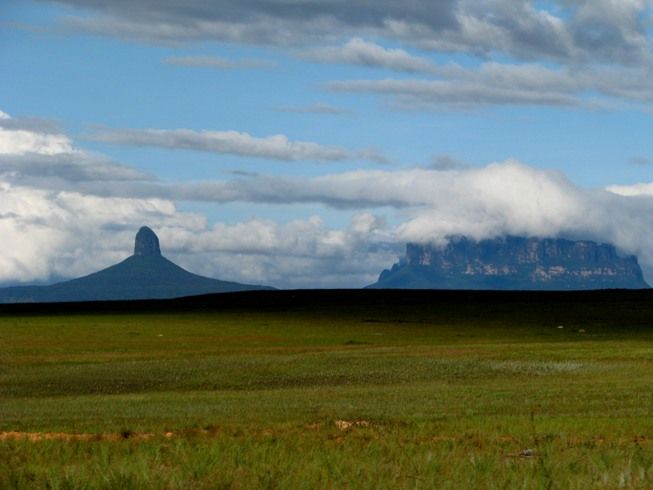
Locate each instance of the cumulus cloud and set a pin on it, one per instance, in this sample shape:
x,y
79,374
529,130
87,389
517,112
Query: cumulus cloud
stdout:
x,y
59,234
19,141
64,232
277,147
66,212
357,51
32,148
302,253
501,198
67,234
218,63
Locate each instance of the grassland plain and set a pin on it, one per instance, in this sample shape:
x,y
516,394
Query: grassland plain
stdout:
x,y
349,389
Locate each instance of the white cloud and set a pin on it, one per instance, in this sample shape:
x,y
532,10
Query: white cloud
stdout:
x,y
501,198
642,189
60,234
30,149
58,219
302,253
20,142
49,233
277,147
66,213
66,234
357,51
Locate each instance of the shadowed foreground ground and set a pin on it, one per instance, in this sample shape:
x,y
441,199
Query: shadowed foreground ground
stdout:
x,y
305,389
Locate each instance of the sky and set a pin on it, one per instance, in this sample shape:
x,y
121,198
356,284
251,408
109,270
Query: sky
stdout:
x,y
303,143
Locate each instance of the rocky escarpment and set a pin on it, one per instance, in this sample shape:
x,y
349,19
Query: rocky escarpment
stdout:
x,y
513,263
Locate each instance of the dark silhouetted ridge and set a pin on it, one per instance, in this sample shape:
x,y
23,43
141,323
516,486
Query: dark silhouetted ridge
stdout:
x,y
145,275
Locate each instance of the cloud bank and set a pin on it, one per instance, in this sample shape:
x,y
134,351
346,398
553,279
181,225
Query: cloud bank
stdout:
x,y
33,148
565,30
50,234
562,53
66,212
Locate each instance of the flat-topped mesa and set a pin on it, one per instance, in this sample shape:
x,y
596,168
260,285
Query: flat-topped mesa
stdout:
x,y
146,243
511,263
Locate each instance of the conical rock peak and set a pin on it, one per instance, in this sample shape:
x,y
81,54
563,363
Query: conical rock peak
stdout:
x,y
146,243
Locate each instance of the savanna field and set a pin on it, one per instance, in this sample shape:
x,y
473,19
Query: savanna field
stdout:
x,y
340,389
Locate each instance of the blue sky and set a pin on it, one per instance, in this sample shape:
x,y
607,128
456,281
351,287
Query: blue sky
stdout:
x,y
303,144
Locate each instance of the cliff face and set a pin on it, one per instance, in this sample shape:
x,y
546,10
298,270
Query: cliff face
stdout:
x,y
513,263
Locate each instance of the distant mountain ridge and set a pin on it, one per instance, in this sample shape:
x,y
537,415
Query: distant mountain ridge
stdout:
x,y
145,275
513,263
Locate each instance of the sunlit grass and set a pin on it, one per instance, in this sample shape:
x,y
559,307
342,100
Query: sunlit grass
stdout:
x,y
486,396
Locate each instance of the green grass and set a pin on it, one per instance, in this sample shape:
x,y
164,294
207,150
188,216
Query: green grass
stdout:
x,y
439,396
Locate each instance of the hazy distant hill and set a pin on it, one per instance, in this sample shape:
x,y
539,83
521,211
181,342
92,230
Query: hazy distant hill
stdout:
x,y
513,263
144,275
